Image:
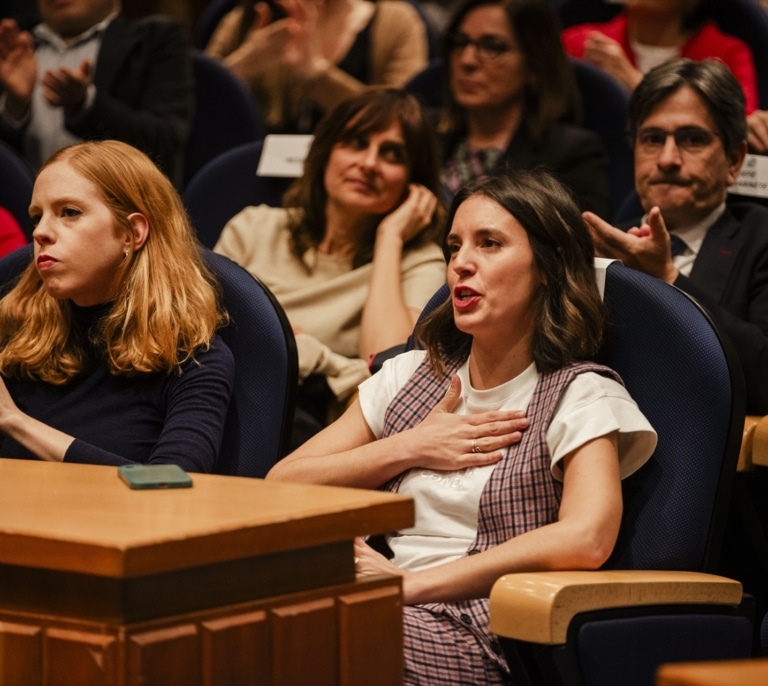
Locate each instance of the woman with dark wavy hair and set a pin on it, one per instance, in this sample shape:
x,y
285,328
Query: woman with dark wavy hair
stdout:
x,y
354,253
502,430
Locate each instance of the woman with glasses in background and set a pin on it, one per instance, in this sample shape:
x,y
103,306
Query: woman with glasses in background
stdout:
x,y
513,100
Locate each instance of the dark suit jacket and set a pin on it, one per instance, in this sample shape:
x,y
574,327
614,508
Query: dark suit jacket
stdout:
x,y
144,91
730,278
573,153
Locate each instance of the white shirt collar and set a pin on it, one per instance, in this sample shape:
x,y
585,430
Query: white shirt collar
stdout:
x,y
693,235
45,33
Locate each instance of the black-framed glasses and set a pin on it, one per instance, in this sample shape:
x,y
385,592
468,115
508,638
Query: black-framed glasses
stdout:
x,y
691,140
486,47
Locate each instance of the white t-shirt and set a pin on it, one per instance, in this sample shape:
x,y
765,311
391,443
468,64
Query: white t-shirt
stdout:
x,y
447,502
649,56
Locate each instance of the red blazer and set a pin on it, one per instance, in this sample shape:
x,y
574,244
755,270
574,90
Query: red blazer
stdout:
x,y
708,41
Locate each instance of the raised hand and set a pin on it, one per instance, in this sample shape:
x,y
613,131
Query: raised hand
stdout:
x,y
18,67
644,247
757,124
607,54
411,216
67,88
450,442
264,45
303,53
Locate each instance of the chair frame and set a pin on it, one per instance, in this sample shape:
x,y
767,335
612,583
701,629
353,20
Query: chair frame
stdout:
x,y
209,195
240,122
539,616
252,459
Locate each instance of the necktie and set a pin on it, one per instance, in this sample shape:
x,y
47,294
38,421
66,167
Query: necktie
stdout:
x,y
677,245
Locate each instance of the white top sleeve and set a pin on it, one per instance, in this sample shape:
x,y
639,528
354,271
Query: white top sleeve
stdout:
x,y
448,502
593,405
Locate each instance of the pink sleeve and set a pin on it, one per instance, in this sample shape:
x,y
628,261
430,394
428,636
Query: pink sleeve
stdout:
x,y
11,235
742,64
733,52
573,39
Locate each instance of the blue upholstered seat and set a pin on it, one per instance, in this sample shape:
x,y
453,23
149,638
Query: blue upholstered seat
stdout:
x,y
226,185
226,114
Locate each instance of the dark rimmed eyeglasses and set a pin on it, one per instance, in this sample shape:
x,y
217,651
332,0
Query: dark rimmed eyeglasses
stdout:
x,y
486,47
691,140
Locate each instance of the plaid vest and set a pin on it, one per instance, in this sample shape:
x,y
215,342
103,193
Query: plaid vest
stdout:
x,y
521,493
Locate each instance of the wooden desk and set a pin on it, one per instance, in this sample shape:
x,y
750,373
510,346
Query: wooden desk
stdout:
x,y
234,581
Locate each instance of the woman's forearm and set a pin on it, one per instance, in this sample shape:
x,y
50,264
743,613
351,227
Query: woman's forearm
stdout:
x,y
583,537
40,439
386,319
561,545
368,465
348,454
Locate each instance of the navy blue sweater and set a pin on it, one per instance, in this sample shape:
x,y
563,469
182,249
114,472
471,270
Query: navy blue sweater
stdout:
x,y
147,418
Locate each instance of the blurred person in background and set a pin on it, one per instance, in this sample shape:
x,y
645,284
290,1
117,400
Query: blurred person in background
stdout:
x,y
303,57
513,101
353,256
88,73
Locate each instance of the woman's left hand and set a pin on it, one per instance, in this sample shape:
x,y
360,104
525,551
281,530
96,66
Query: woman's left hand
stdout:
x,y
411,216
368,561
608,54
303,54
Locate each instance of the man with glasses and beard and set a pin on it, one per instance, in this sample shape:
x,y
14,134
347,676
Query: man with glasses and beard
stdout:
x,y
689,135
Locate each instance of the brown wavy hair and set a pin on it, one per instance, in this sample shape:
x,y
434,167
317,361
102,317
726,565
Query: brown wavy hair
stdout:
x,y
168,302
372,111
570,315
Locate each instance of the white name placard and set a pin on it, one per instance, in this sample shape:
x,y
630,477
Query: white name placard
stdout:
x,y
283,155
753,179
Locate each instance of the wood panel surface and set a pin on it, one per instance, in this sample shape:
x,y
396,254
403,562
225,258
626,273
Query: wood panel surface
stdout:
x,y
350,634
83,519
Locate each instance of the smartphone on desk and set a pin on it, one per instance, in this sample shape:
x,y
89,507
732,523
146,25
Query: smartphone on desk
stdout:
x,y
148,476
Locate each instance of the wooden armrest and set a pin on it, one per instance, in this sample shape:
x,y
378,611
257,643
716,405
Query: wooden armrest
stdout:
x,y
760,443
538,606
745,463
751,672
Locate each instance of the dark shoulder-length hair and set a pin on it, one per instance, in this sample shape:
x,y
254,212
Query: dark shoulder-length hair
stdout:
x,y
570,316
551,92
372,111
